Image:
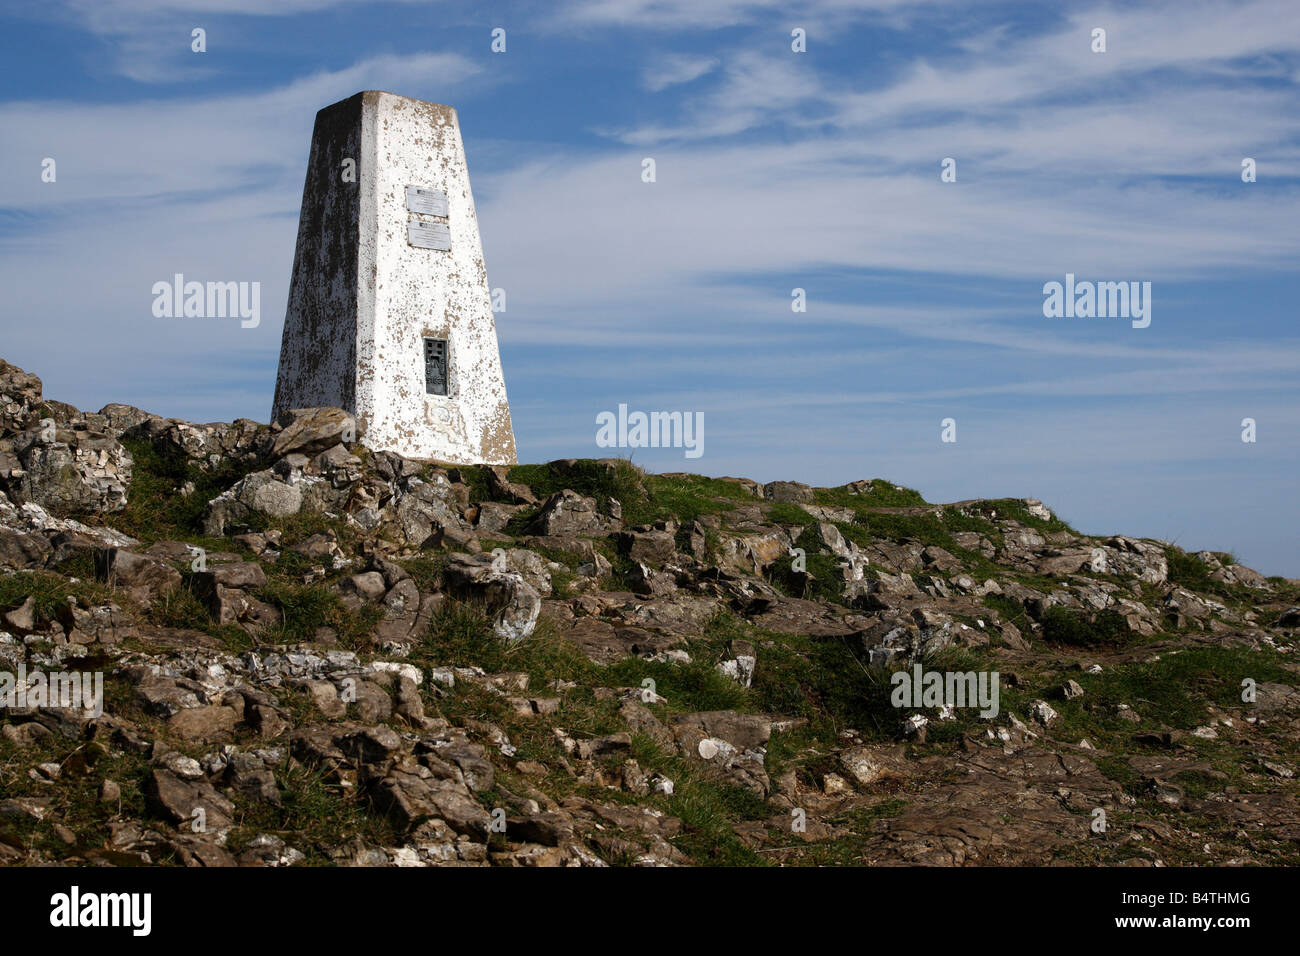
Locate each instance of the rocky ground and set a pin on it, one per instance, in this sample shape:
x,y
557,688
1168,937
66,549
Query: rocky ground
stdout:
x,y
316,654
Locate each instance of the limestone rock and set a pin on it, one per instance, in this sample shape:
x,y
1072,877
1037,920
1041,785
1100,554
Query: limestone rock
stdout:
x,y
512,602
653,547
743,731
411,793
502,489
146,579
203,723
788,492
428,514
204,445
20,398
308,431
21,550
262,492
70,471
177,800
567,513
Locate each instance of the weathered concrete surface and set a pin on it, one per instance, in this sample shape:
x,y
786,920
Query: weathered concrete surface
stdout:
x,y
363,299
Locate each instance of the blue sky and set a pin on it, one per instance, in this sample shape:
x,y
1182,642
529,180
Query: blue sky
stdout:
x,y
775,170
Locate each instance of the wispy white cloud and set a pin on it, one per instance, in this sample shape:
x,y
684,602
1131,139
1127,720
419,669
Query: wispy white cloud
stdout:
x,y
150,148
673,69
662,14
149,41
102,12
685,14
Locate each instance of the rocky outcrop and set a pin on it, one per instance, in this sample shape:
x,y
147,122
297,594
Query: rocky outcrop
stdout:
x,y
513,603
20,399
576,664
65,470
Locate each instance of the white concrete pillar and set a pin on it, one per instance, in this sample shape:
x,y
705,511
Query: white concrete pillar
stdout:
x,y
390,315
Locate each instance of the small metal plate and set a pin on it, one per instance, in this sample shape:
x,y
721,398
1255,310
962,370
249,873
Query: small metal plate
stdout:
x,y
428,235
428,202
435,366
